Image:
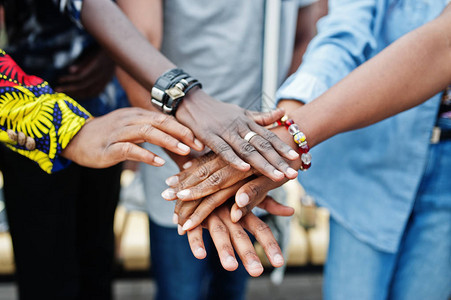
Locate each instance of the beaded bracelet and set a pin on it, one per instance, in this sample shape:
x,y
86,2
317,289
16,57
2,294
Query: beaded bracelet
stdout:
x,y
300,140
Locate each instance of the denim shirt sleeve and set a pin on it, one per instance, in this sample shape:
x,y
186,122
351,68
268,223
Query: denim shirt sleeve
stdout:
x,y
345,40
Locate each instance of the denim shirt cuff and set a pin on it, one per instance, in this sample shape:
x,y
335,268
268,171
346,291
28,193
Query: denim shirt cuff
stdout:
x,y
301,87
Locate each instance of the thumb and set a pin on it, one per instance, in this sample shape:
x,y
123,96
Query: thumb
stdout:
x,y
266,118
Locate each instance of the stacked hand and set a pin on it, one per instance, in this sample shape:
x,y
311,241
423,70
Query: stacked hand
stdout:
x,y
107,140
206,183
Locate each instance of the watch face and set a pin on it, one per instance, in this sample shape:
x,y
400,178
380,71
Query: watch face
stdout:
x,y
175,93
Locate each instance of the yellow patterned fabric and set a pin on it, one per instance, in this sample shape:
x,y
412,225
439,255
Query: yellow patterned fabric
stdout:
x,y
35,121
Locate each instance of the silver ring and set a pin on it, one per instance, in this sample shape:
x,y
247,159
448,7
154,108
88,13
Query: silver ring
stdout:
x,y
249,136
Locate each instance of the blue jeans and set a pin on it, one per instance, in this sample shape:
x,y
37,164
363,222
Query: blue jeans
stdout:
x,y
421,268
179,275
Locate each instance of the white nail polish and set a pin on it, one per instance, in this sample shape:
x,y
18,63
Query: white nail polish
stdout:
x,y
198,143
292,172
245,165
278,259
293,154
158,160
187,225
183,147
175,219
230,260
278,173
173,180
242,200
168,194
187,165
237,214
180,231
200,252
183,194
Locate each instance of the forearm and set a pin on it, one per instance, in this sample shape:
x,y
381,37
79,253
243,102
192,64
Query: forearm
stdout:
x,y
372,93
147,17
126,45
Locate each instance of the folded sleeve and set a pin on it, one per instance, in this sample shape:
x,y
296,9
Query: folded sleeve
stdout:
x,y
346,38
35,121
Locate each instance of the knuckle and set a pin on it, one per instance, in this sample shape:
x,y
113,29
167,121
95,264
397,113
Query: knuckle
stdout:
x,y
255,190
214,179
239,235
227,248
269,135
195,240
202,172
219,228
186,133
262,228
281,163
270,245
146,130
161,120
222,148
126,150
247,149
249,253
265,145
168,140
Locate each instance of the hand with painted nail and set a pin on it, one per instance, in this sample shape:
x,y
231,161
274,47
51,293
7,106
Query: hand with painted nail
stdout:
x,y
112,138
208,174
235,134
190,214
229,237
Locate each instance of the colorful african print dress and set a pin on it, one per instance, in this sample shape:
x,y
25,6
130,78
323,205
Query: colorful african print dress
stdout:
x,y
35,121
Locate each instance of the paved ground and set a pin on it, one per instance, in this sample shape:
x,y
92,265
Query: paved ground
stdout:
x,y
297,285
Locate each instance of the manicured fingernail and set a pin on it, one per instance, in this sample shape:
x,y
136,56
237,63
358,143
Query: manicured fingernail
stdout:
x,y
242,200
159,161
187,165
293,154
278,259
180,230
187,225
198,143
278,173
183,194
175,219
230,261
173,180
236,215
245,165
256,266
168,194
200,252
291,172
183,147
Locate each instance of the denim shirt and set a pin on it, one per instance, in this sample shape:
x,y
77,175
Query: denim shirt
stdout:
x,y
367,178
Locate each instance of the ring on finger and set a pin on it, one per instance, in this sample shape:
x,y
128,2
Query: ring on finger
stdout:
x,y
249,136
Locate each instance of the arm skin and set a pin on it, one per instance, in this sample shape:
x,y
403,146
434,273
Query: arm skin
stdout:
x,y
420,66
219,125
150,25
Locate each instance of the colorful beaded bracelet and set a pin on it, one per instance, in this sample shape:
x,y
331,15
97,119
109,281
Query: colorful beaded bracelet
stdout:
x,y
300,140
